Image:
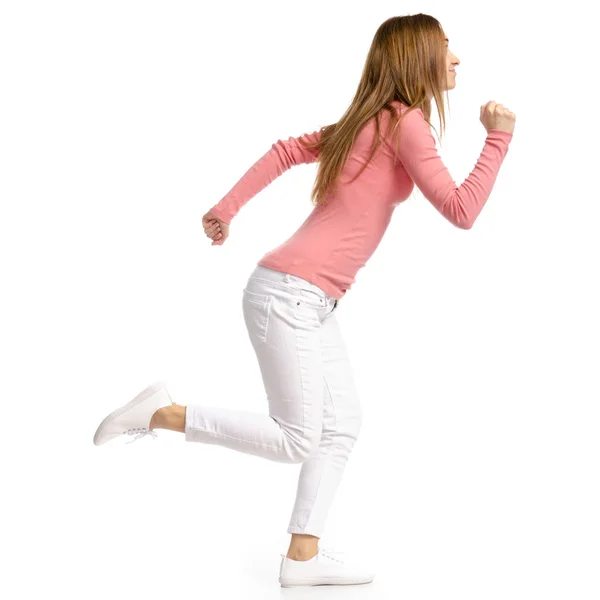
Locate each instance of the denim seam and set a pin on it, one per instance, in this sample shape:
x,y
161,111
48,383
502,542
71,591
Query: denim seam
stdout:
x,y
268,311
296,331
335,433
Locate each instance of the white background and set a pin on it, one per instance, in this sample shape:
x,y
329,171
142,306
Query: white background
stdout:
x,y
476,352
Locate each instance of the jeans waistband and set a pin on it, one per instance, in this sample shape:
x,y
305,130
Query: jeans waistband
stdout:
x,y
261,272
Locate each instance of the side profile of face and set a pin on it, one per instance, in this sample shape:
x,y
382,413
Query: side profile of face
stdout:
x,y
451,62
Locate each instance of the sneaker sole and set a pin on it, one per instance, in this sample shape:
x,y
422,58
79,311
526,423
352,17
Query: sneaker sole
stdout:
x,y
313,582
146,393
320,581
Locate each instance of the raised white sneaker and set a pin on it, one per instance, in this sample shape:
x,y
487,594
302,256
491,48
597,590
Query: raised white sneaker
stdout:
x,y
325,568
134,417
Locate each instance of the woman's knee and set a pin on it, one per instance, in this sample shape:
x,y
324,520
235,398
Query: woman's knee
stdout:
x,y
304,447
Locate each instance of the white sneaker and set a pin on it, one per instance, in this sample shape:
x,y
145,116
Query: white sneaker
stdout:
x,y
325,568
134,417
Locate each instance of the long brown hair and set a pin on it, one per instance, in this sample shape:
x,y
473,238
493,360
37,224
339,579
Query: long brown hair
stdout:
x,y
407,63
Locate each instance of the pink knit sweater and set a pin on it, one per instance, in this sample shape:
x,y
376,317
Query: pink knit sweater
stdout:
x,y
337,239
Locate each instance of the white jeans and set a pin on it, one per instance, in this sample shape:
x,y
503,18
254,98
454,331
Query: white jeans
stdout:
x,y
314,412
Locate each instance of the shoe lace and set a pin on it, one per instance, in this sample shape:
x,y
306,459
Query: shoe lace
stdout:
x,y
140,432
328,552
332,554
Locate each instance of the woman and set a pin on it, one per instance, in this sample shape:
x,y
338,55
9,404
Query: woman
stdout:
x,y
369,162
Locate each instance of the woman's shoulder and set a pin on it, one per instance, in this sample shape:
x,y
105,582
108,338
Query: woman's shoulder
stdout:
x,y
401,108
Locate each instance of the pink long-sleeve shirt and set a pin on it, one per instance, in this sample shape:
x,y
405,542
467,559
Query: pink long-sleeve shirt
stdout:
x,y
337,239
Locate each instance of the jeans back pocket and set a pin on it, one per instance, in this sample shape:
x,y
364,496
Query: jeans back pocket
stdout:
x,y
257,309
